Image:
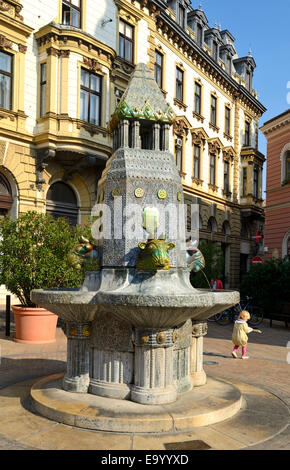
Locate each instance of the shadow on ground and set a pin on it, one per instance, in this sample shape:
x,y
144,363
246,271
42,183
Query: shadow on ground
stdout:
x,y
17,370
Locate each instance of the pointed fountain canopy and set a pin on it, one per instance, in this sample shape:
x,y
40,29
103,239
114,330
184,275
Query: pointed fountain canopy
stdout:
x,y
142,99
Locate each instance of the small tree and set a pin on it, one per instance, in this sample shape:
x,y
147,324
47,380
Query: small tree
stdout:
x,y
214,263
34,254
269,284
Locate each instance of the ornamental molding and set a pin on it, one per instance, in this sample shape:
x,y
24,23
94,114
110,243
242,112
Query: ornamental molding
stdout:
x,y
214,146
5,43
229,154
22,48
197,181
65,53
11,8
92,64
181,126
199,136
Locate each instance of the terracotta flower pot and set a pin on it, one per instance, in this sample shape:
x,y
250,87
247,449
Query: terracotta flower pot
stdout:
x,y
34,325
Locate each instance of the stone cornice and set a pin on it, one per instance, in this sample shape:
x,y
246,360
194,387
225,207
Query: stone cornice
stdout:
x,y
194,53
252,155
276,124
58,36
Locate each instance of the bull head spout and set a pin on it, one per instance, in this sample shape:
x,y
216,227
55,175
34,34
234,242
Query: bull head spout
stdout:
x,y
154,254
84,256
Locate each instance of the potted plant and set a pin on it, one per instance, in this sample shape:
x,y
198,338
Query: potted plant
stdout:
x,y
34,253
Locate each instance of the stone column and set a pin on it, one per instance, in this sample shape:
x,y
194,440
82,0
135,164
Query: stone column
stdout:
x,y
77,376
153,369
156,136
125,133
136,135
199,330
181,359
165,137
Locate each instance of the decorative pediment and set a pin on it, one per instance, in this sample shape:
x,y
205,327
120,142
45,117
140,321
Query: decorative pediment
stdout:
x,y
199,136
229,154
215,146
181,126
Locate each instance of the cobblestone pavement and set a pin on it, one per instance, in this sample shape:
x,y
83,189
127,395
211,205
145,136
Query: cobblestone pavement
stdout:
x,y
267,367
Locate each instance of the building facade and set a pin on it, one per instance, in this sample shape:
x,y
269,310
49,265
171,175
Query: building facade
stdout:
x,y
64,66
277,228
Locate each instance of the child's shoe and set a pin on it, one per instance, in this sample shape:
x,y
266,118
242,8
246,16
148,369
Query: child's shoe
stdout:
x,y
245,357
234,355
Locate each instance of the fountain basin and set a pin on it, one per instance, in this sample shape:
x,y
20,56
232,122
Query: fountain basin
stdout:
x,y
223,300
156,299
71,305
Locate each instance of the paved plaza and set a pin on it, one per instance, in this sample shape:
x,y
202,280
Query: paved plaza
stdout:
x,y
262,422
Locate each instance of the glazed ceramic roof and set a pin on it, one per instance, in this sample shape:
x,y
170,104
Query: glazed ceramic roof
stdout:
x,y
143,99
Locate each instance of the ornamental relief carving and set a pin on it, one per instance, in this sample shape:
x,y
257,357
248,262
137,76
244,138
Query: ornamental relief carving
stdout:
x,y
228,155
93,64
5,43
11,9
180,127
198,138
214,147
7,8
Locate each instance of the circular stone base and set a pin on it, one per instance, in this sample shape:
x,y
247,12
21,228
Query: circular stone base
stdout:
x,y
22,341
212,403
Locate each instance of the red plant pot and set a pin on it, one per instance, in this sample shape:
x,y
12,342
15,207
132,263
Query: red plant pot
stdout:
x,y
34,325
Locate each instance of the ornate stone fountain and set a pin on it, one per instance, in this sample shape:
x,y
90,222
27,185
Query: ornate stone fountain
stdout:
x,y
135,328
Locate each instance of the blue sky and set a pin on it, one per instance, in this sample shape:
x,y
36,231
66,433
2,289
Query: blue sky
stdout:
x,y
262,26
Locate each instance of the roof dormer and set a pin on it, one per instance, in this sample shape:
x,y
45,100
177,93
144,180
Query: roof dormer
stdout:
x,y
245,67
180,8
213,39
198,22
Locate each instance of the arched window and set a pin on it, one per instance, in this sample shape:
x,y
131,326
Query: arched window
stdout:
x,y
286,245
287,167
285,164
226,228
212,225
6,199
61,201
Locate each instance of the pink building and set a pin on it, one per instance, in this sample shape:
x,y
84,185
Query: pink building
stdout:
x,y
277,229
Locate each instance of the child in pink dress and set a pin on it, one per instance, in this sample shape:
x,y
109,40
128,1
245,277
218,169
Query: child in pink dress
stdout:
x,y
241,330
